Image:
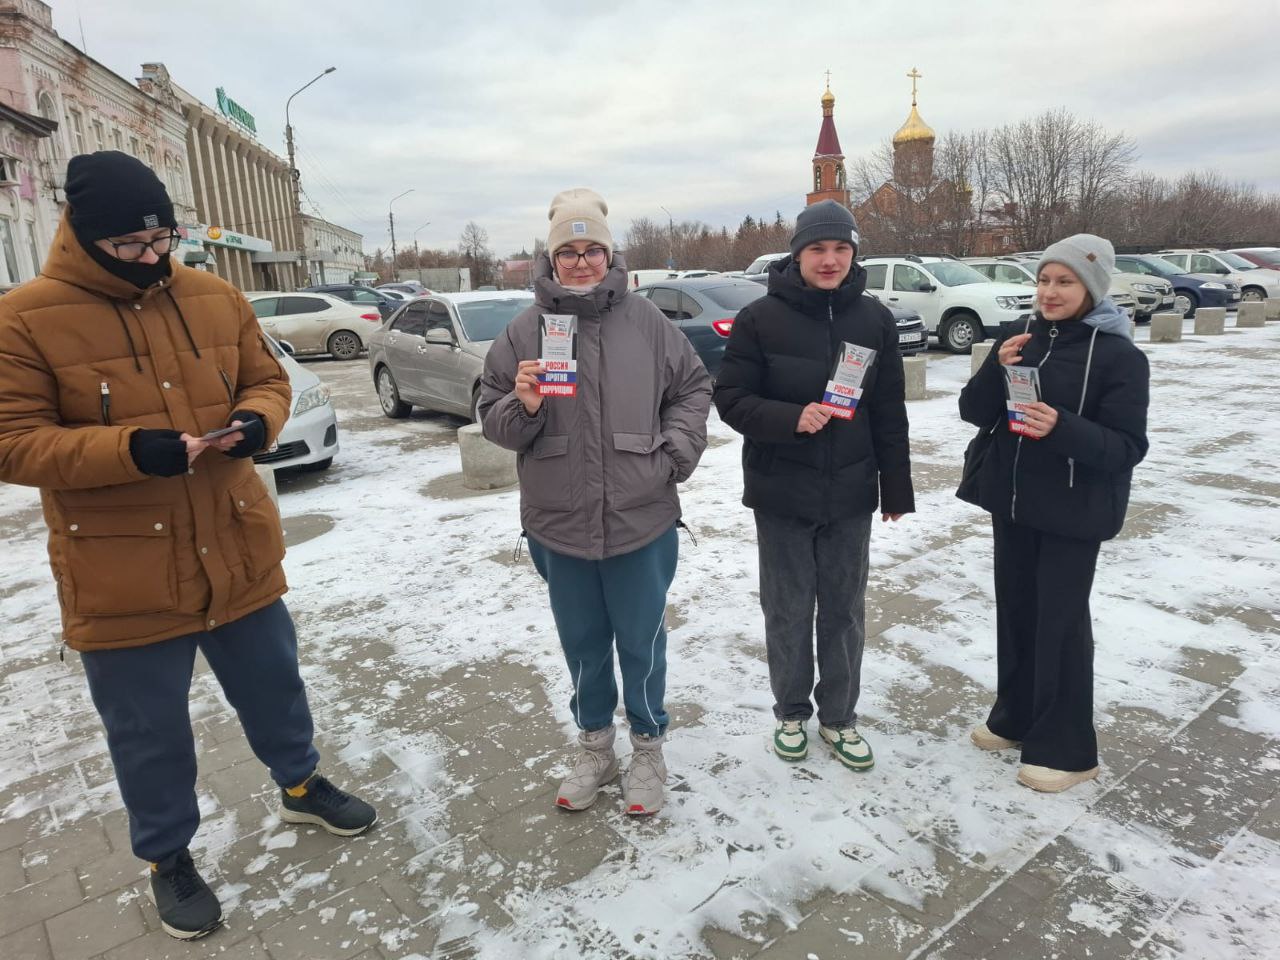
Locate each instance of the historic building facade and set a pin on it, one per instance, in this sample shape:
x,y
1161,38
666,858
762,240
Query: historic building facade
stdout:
x,y
830,180
334,254
245,225
78,106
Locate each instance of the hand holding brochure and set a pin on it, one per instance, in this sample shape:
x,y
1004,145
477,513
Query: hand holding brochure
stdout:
x,y
558,354
844,389
1021,387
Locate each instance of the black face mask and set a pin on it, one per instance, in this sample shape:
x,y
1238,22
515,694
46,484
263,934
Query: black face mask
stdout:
x,y
141,275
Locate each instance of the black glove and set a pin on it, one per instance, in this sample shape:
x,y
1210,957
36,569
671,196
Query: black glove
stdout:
x,y
159,453
255,434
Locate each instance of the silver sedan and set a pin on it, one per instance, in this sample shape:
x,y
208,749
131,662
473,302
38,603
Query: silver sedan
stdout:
x,y
430,353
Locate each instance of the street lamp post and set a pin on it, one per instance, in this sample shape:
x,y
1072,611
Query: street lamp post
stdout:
x,y
295,179
417,257
391,217
671,238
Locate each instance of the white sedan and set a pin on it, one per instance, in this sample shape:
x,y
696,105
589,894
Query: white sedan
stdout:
x,y
310,435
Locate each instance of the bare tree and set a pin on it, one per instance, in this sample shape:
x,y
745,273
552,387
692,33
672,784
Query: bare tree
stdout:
x,y
646,245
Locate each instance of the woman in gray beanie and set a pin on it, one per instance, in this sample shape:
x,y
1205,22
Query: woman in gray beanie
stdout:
x,y
603,434
1056,483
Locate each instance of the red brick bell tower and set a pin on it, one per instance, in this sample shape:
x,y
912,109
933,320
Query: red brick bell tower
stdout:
x,y
829,179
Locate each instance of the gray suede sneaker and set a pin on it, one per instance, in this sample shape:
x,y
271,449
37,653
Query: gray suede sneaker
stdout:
x,y
642,786
595,766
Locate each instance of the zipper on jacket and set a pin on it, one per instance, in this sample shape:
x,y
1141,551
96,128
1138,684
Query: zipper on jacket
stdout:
x,y
226,382
105,391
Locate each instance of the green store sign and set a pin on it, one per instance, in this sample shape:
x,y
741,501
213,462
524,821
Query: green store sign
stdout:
x,y
232,110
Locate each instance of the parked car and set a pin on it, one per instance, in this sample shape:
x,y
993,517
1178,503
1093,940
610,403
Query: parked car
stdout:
x,y
694,274
638,278
1189,290
958,304
1009,270
430,353
705,307
315,322
759,267
411,287
1256,283
398,295
361,296
309,438
1268,257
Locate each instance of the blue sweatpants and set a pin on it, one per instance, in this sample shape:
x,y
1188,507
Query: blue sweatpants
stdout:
x,y
621,601
142,694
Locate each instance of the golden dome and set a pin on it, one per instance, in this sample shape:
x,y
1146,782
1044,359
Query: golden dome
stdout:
x,y
914,129
828,98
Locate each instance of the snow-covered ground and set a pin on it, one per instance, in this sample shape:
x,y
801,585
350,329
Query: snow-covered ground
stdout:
x,y
401,578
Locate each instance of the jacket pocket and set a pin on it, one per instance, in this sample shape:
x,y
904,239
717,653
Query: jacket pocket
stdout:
x,y
119,562
642,471
544,473
257,527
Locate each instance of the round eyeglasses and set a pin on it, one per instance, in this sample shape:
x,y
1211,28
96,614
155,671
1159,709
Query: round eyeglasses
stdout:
x,y
569,258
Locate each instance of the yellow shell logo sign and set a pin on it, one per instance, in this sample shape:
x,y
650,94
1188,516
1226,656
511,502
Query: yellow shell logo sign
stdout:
x,y
214,233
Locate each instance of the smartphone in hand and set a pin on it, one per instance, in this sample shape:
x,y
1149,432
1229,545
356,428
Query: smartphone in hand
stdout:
x,y
215,434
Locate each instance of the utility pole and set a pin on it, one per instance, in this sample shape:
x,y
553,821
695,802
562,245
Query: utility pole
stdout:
x,y
391,217
671,238
417,257
295,178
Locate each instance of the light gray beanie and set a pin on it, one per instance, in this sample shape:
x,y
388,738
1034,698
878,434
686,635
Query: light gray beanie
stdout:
x,y
578,214
1090,258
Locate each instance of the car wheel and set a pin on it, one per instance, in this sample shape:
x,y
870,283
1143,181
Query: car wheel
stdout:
x,y
1186,303
961,332
1253,294
344,345
389,396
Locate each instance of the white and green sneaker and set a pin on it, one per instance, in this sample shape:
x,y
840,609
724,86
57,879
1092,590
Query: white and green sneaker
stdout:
x,y
849,747
790,741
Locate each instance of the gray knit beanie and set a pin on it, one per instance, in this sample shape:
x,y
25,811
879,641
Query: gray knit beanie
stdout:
x,y
826,220
1090,258
578,214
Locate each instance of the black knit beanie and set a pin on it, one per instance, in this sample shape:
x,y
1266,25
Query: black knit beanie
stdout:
x,y
112,194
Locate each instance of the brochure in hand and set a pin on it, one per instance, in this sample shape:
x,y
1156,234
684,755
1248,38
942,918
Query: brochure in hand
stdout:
x,y
1021,387
558,354
844,389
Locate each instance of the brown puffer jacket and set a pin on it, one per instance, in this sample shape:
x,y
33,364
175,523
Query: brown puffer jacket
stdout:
x,y
85,360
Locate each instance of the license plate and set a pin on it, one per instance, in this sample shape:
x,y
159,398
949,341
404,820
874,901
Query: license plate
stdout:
x,y
908,338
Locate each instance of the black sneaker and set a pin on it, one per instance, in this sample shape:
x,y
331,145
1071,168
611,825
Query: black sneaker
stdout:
x,y
187,907
324,804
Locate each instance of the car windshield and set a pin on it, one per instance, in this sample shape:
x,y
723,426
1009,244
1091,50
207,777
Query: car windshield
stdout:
x,y
485,319
1162,268
1236,262
952,274
735,297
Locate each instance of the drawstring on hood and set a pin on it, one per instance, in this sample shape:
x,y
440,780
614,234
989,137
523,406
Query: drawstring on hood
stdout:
x,y
137,364
187,329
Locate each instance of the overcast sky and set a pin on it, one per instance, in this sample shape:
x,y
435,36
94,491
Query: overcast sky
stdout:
x,y
710,109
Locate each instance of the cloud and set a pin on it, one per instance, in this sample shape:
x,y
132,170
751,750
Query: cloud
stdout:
x,y
486,110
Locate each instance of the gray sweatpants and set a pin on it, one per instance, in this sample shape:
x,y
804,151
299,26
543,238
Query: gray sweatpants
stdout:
x,y
803,563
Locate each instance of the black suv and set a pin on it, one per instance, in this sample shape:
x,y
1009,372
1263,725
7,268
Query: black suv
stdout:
x,y
354,293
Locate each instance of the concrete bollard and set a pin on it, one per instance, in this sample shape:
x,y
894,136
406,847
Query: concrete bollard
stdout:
x,y
1210,321
1273,308
268,475
485,465
1253,314
914,368
1166,328
978,355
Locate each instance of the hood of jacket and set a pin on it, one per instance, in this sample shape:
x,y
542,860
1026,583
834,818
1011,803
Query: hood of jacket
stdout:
x,y
550,295
786,284
1109,318
69,262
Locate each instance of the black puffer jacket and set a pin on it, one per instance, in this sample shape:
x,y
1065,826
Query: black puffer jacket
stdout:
x,y
1074,482
778,360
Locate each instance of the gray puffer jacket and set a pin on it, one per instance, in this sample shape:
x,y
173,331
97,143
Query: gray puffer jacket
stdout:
x,y
598,471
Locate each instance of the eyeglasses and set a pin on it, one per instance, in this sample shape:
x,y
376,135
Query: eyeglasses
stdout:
x,y
569,258
134,249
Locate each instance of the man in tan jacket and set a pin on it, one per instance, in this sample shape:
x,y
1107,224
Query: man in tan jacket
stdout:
x,y
114,365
